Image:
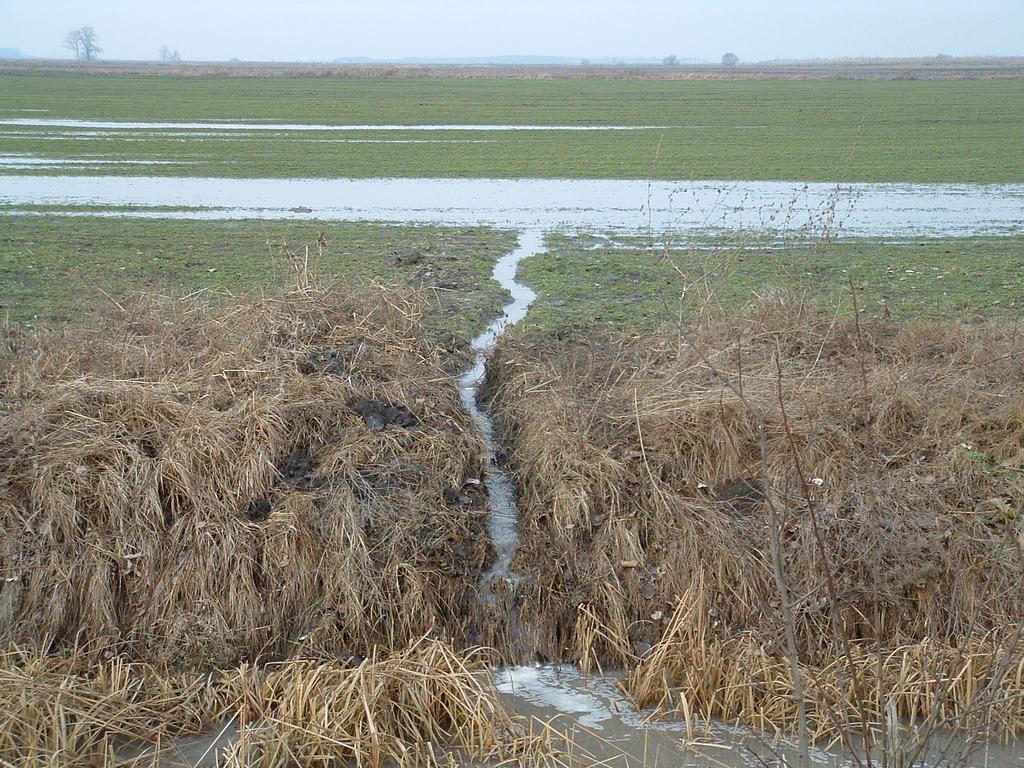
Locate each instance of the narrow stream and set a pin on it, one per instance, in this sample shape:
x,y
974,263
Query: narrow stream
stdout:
x,y
501,497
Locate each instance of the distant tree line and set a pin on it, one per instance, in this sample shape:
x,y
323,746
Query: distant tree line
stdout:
x,y
728,60
168,56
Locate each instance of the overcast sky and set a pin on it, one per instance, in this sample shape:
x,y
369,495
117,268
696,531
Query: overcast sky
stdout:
x,y
326,29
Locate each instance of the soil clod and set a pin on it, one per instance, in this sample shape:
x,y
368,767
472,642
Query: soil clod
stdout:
x,y
378,415
406,259
259,510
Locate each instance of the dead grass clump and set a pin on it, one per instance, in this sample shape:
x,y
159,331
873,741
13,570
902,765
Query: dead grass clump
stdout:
x,y
706,674
68,710
193,486
408,707
650,465
400,708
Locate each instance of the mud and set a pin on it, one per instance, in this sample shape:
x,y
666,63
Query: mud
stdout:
x,y
379,415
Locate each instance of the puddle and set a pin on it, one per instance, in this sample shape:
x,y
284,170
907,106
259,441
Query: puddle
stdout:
x,y
200,750
183,136
879,210
599,726
9,162
239,126
604,723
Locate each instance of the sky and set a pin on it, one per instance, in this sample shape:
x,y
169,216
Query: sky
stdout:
x,y
321,30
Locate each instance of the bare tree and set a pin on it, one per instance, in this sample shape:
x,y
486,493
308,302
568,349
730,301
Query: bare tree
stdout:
x,y
90,50
82,42
670,61
73,42
730,60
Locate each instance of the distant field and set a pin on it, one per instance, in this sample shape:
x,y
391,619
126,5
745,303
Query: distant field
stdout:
x,y
914,131
923,68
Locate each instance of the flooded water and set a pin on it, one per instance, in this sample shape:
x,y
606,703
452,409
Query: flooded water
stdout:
x,y
17,162
228,125
596,725
608,730
871,210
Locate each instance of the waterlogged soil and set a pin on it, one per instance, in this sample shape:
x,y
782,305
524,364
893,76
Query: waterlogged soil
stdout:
x,y
958,131
852,210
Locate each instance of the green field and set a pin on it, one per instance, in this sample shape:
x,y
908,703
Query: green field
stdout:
x,y
942,131
628,288
55,269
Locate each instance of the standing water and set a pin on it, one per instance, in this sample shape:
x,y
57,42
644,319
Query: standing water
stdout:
x,y
500,492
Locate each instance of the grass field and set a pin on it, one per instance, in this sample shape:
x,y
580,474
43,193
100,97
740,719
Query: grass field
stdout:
x,y
54,269
945,131
583,285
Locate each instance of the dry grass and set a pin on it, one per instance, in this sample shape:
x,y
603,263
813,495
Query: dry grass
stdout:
x,y
405,708
256,520
401,708
262,517
424,705
193,487
66,710
646,476
705,674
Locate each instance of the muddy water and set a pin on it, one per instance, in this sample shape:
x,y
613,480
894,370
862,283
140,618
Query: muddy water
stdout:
x,y
607,730
597,725
869,210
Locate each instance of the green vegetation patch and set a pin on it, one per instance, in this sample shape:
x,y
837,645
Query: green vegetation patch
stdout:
x,y
55,268
585,283
915,131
